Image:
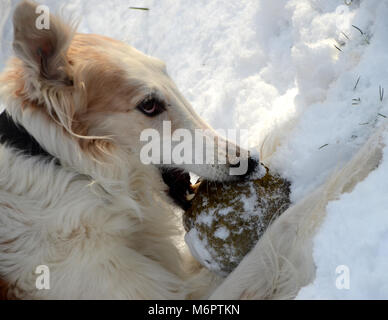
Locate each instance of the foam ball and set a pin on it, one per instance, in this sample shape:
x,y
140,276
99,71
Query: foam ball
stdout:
x,y
226,220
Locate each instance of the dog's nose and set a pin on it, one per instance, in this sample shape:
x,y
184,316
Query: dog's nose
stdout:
x,y
252,165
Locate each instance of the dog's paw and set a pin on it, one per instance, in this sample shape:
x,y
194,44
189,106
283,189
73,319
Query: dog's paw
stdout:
x,y
180,188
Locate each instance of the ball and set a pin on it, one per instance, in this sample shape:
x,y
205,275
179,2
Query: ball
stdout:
x,y
226,220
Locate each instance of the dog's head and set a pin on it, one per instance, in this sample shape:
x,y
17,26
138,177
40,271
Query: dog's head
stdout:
x,y
104,95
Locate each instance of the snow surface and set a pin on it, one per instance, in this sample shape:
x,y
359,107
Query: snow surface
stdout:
x,y
270,65
355,235
222,233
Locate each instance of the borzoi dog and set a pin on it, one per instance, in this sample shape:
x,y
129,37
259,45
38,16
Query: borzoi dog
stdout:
x,y
75,197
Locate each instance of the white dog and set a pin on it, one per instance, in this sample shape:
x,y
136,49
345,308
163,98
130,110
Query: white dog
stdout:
x,y
74,195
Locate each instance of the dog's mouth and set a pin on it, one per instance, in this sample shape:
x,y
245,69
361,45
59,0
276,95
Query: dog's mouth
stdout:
x,y
181,191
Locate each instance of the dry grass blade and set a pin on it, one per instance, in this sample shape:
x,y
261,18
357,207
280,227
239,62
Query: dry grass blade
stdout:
x,y
139,8
381,92
362,32
358,80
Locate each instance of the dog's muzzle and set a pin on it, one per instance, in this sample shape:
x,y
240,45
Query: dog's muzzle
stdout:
x,y
182,191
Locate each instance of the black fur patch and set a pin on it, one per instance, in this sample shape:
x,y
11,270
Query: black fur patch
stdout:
x,y
17,137
179,183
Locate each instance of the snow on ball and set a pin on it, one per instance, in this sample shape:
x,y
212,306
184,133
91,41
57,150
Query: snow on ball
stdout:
x,y
227,219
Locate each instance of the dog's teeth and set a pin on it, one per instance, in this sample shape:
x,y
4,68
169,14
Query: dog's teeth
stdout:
x,y
190,197
196,186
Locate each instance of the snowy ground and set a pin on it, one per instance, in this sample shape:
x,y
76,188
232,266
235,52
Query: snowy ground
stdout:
x,y
262,65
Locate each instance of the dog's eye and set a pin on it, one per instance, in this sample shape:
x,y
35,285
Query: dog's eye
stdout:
x,y
151,107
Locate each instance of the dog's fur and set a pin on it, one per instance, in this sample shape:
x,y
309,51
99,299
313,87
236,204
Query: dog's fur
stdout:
x,y
92,212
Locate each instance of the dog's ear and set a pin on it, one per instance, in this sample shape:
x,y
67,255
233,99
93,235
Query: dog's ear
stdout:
x,y
41,41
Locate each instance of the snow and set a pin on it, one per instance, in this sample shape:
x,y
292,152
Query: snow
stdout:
x,y
354,235
222,233
272,66
200,251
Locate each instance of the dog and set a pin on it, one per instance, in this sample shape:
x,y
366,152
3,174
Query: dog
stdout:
x,y
75,197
